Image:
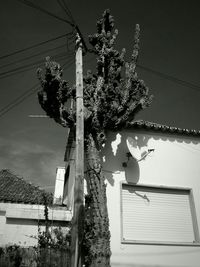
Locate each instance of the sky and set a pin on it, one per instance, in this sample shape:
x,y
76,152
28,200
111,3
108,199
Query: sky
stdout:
x,y
169,46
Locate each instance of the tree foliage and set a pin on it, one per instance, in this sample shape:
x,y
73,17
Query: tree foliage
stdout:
x,y
112,95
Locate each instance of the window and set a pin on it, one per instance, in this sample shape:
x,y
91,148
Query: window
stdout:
x,y
158,215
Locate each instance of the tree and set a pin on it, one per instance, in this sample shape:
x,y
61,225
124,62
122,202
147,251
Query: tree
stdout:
x,y
112,97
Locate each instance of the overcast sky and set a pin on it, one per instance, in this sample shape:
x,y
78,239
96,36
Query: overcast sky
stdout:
x,y
169,44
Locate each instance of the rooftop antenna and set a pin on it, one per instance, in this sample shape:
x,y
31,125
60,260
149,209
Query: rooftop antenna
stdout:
x,y
38,116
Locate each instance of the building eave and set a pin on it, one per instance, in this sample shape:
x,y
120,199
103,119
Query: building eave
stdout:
x,y
156,127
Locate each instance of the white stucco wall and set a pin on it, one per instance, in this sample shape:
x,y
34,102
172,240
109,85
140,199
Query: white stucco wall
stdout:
x,y
18,222
175,162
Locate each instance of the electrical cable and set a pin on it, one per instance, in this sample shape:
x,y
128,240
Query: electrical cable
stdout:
x,y
20,69
170,78
57,56
36,45
18,98
71,23
32,56
25,95
63,5
68,10
25,70
19,101
45,11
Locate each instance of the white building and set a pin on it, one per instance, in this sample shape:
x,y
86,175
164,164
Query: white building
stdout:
x,y
153,195
22,208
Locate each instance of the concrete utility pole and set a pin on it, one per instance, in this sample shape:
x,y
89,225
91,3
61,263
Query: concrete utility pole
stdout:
x,y
78,212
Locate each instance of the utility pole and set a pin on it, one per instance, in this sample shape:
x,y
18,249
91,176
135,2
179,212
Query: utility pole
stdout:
x,y
78,211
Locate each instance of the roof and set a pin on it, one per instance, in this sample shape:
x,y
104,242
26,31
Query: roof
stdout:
x,y
152,126
143,125
16,190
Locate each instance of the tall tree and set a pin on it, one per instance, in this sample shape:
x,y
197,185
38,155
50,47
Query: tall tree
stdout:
x,y
112,96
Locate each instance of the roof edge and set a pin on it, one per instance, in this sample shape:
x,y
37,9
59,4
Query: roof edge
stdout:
x,y
147,125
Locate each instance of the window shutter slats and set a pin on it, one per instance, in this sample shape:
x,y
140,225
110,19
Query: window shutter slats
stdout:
x,y
154,214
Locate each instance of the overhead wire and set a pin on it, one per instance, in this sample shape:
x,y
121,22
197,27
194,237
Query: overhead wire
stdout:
x,y
37,7
72,22
19,69
64,6
26,69
32,90
22,97
19,100
69,41
33,64
170,78
70,61
68,10
32,56
36,45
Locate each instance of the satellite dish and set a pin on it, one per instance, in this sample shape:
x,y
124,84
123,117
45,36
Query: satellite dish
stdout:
x,y
133,148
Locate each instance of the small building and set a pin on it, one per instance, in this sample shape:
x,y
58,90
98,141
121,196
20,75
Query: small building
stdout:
x,y
153,194
22,210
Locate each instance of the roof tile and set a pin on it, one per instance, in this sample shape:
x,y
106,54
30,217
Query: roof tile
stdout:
x,y
15,189
161,128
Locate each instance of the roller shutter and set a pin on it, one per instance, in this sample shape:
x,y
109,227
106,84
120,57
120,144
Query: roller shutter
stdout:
x,y
157,214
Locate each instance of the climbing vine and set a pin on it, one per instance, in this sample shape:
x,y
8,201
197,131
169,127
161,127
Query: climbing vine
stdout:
x,y
52,237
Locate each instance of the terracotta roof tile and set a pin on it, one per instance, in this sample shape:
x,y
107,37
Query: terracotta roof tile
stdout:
x,y
17,190
140,124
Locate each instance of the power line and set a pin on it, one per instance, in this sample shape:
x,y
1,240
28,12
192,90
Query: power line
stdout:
x,y
32,56
170,78
64,6
71,23
69,42
68,10
21,98
57,56
21,69
18,102
27,69
45,11
29,92
36,45
17,99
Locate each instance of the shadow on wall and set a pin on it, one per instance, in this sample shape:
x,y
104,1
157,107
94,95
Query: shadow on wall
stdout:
x,y
118,144
116,155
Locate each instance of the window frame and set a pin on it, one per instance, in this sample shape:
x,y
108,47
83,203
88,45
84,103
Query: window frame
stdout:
x,y
154,242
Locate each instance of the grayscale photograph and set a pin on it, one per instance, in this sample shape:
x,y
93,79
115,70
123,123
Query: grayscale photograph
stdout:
x,y
100,133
